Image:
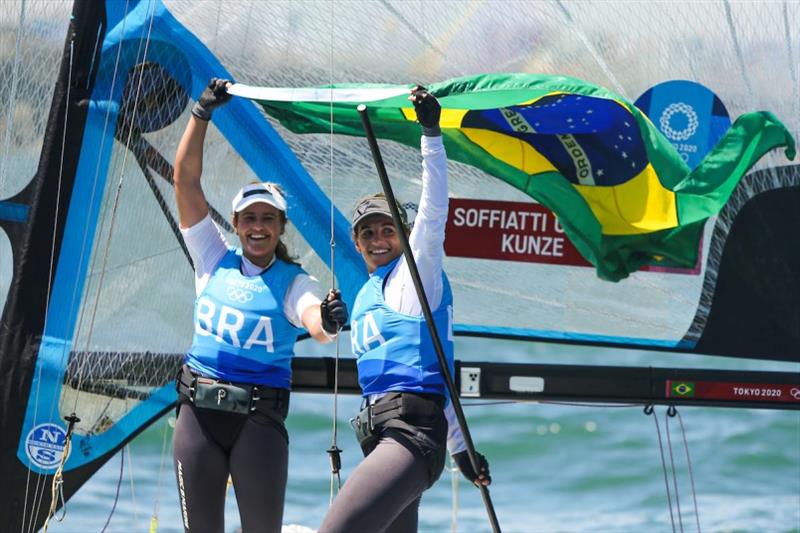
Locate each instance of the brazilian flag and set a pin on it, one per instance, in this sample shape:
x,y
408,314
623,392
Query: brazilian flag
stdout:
x,y
620,190
683,389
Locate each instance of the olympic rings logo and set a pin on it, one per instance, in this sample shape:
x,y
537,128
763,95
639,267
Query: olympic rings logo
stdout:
x,y
691,117
239,295
795,392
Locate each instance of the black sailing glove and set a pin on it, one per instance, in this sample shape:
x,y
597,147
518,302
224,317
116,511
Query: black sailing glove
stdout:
x,y
428,110
333,311
462,461
211,98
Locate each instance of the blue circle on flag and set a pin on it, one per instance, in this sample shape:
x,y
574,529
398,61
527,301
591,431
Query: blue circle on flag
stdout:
x,y
689,115
45,445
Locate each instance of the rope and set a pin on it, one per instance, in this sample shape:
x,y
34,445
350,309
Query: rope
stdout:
x,y
75,296
454,483
131,477
114,208
57,486
159,479
119,484
689,467
648,410
669,414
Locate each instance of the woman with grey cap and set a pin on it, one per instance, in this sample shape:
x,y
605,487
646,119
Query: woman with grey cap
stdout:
x,y
234,385
403,427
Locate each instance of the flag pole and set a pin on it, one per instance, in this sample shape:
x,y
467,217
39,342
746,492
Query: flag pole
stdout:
x,y
426,310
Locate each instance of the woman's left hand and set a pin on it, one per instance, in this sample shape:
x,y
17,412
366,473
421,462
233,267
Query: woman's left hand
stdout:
x,y
482,478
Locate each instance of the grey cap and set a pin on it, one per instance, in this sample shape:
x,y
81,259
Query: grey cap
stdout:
x,y
375,204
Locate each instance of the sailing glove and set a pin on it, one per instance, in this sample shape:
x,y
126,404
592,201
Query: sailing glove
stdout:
x,y
462,461
211,98
428,110
334,312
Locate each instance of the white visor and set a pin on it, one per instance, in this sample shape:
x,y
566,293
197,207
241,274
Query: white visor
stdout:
x,y
258,192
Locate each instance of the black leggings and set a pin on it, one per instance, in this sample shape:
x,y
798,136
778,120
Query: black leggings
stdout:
x,y
254,450
383,492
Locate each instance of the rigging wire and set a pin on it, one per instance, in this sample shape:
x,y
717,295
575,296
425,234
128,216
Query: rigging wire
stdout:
x,y
792,66
667,415
455,477
11,104
131,477
115,206
689,468
590,404
650,410
737,48
159,478
119,485
75,300
38,496
334,452
591,48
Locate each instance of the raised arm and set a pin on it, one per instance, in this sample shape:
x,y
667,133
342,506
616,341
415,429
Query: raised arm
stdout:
x,y
192,205
427,237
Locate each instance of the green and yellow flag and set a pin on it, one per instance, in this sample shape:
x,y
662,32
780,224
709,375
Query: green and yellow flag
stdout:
x,y
620,190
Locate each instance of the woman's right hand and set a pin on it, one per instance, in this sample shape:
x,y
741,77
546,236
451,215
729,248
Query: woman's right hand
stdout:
x,y
333,312
212,97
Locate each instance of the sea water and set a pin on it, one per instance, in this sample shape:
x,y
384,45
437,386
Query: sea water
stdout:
x,y
559,468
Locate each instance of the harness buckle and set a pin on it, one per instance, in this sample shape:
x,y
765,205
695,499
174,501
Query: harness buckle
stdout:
x,y
370,416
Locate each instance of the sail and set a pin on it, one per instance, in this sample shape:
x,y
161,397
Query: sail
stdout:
x,y
96,287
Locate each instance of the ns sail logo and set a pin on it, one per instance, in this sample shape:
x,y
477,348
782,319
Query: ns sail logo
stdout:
x,y
45,445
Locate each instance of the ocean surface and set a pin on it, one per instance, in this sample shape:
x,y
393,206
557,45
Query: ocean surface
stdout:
x,y
559,468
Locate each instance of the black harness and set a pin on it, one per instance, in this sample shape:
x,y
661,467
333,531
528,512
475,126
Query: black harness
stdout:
x,y
240,398
415,420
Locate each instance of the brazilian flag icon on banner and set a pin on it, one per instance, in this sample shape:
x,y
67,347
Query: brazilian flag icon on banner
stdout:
x,y
620,190
682,389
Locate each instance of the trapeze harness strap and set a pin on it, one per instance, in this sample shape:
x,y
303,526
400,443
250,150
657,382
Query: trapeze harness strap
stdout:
x,y
394,350
397,410
417,419
241,332
241,398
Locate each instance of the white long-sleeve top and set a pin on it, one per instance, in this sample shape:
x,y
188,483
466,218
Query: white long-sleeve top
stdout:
x,y
427,246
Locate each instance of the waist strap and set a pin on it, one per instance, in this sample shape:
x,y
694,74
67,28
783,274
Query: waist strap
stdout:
x,y
227,396
408,406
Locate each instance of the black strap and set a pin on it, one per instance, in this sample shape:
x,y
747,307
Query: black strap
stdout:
x,y
263,396
386,409
391,406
